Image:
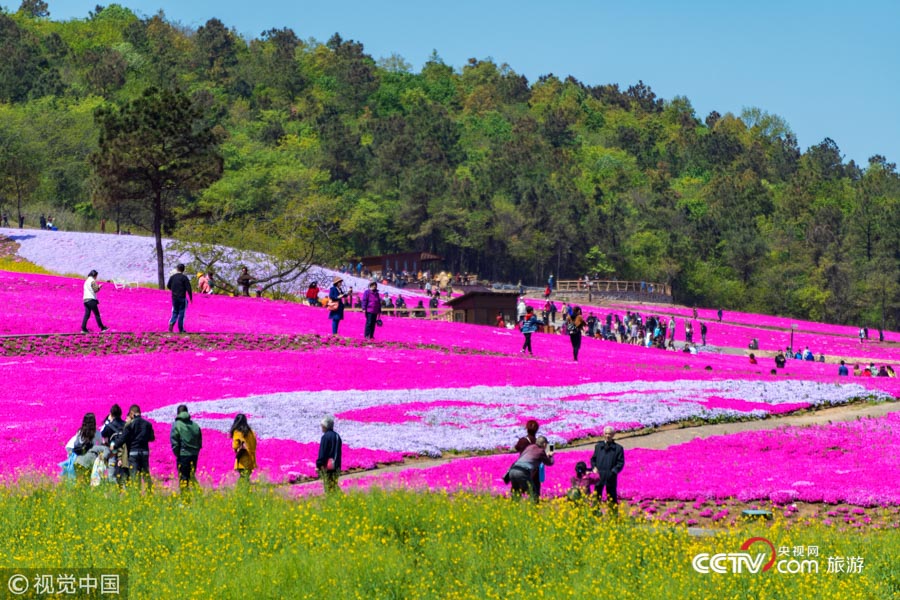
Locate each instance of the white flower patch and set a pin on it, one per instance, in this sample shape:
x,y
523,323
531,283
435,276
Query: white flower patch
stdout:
x,y
488,417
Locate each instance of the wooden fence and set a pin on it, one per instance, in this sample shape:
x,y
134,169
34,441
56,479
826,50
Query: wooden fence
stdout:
x,y
601,286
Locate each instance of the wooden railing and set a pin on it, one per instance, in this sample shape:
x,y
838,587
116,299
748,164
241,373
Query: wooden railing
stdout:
x,y
410,312
600,286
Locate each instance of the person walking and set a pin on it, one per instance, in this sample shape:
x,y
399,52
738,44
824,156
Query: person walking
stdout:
x,y
180,286
329,461
336,297
703,331
575,327
607,462
371,304
529,326
243,442
91,304
187,441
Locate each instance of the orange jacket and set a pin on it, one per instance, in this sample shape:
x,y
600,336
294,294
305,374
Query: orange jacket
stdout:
x,y
245,458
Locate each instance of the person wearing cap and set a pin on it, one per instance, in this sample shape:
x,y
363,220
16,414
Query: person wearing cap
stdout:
x,y
336,297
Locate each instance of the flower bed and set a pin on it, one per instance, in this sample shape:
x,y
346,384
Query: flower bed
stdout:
x,y
856,462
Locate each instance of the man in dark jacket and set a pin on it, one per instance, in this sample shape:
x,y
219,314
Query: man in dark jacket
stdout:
x,y
607,462
187,440
181,291
136,436
329,461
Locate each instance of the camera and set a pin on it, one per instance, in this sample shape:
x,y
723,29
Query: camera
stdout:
x,y
552,447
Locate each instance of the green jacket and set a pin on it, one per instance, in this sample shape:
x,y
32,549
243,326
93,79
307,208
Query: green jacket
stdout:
x,y
186,437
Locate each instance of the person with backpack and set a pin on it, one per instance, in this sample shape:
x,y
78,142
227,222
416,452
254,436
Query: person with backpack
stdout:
x,y
328,462
187,440
529,326
112,429
575,327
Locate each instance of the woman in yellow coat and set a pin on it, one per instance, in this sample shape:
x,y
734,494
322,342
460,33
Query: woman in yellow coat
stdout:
x,y
243,442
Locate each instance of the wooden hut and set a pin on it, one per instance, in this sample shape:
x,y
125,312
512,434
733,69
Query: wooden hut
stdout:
x,y
481,307
399,262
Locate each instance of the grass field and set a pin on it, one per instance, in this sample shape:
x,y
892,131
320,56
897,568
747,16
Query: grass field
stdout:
x,y
228,544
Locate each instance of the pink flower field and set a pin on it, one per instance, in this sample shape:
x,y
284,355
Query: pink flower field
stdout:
x,y
423,388
856,463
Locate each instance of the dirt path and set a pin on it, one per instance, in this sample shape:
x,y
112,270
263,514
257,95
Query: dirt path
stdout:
x,y
673,435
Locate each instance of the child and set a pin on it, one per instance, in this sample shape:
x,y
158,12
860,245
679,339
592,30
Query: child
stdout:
x,y
581,483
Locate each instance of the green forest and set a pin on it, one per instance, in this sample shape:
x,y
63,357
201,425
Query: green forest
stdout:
x,y
294,146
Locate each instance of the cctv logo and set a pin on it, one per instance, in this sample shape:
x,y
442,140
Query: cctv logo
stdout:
x,y
736,562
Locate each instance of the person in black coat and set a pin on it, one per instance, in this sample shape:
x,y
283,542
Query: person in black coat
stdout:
x,y
607,462
180,286
136,436
328,462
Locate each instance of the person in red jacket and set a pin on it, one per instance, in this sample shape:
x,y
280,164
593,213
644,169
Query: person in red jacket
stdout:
x,y
312,294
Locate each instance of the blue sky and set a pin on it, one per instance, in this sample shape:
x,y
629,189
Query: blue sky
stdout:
x,y
830,69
